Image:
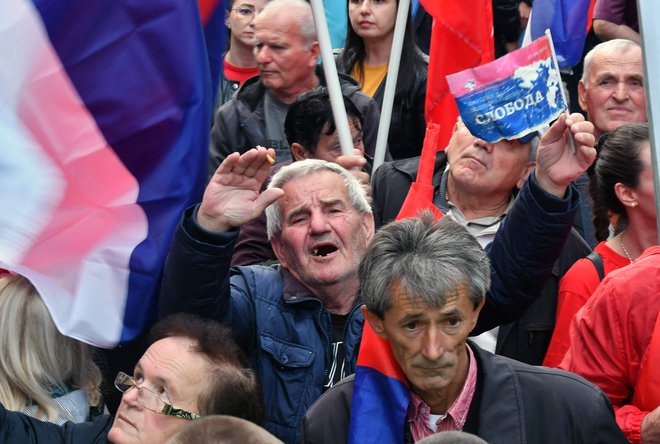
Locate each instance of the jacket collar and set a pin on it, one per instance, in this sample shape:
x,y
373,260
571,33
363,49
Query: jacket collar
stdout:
x,y
410,166
496,413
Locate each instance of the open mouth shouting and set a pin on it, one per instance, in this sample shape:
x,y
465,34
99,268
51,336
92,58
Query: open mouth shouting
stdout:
x,y
324,249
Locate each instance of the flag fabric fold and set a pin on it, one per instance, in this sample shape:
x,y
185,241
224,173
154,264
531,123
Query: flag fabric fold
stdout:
x,y
512,96
461,38
104,119
568,21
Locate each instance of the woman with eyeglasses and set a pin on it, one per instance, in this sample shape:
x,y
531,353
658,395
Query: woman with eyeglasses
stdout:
x,y
43,373
621,186
366,56
239,64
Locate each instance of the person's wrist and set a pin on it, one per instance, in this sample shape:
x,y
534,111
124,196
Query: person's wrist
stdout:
x,y
548,185
210,223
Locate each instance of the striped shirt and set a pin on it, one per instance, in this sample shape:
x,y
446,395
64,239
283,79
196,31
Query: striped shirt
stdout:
x,y
423,423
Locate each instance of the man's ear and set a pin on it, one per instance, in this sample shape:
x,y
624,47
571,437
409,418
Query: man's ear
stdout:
x,y
299,153
375,322
276,243
315,51
368,225
525,174
582,95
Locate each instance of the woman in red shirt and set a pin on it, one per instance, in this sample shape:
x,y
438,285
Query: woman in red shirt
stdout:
x,y
621,186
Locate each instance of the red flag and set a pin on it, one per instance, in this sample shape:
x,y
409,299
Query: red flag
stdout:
x,y
462,38
420,195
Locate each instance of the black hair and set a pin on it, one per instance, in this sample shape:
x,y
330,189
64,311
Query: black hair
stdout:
x,y
618,160
308,115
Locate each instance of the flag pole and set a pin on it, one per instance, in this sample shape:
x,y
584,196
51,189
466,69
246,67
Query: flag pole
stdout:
x,y
390,83
561,88
650,34
332,78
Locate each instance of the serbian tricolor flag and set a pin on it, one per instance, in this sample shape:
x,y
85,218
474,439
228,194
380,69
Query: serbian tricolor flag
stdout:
x,y
461,38
213,14
104,111
568,21
513,96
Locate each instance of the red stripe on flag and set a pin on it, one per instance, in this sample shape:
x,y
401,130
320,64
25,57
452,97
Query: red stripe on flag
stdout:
x,y
462,38
206,9
376,353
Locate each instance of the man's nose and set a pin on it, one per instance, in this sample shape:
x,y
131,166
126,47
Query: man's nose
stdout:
x,y
131,396
481,143
261,54
621,91
433,344
318,222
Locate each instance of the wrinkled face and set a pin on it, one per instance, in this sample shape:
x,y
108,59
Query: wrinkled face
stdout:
x,y
286,63
483,167
428,343
323,236
241,20
614,94
328,147
174,372
372,19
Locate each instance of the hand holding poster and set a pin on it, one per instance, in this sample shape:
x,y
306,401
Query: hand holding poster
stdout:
x,y
512,96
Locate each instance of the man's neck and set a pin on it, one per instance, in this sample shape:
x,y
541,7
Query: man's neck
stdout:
x,y
290,95
340,298
477,204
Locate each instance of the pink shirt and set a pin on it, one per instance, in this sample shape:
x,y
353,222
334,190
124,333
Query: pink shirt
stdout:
x,y
419,412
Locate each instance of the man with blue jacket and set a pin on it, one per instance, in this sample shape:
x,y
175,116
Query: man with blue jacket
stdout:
x,y
300,321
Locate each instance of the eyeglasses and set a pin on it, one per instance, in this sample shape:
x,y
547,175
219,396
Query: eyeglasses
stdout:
x,y
151,401
244,12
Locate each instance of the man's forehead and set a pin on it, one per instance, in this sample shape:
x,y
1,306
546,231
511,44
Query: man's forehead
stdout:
x,y
617,61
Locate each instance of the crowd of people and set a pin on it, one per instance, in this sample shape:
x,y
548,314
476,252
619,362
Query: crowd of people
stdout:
x,y
524,309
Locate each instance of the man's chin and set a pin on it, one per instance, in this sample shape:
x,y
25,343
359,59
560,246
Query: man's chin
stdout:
x,y
118,434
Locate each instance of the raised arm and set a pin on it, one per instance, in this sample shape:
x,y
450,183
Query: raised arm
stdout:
x,y
534,231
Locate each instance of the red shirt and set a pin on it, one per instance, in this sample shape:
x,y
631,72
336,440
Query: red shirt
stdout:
x,y
575,288
239,74
419,412
610,337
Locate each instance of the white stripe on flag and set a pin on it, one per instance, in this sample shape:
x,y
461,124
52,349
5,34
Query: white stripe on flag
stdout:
x,y
81,212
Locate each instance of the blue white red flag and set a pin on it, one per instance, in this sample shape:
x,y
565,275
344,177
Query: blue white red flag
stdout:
x,y
381,394
568,21
104,126
511,97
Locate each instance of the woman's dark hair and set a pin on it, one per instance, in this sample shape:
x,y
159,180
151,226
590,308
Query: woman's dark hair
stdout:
x,y
618,161
411,57
308,115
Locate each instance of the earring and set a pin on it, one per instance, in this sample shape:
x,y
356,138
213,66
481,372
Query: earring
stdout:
x,y
634,204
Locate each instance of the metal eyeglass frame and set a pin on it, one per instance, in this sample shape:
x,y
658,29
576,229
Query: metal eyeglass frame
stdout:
x,y
124,383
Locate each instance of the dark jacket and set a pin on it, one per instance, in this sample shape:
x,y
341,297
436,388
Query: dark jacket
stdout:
x,y
408,125
513,403
239,125
527,338
285,330
17,428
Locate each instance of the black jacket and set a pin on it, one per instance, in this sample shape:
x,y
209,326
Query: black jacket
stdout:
x,y
17,428
239,125
513,403
528,338
408,125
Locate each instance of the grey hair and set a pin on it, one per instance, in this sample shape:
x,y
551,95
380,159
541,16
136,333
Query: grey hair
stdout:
x,y
356,193
302,13
429,260
619,46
